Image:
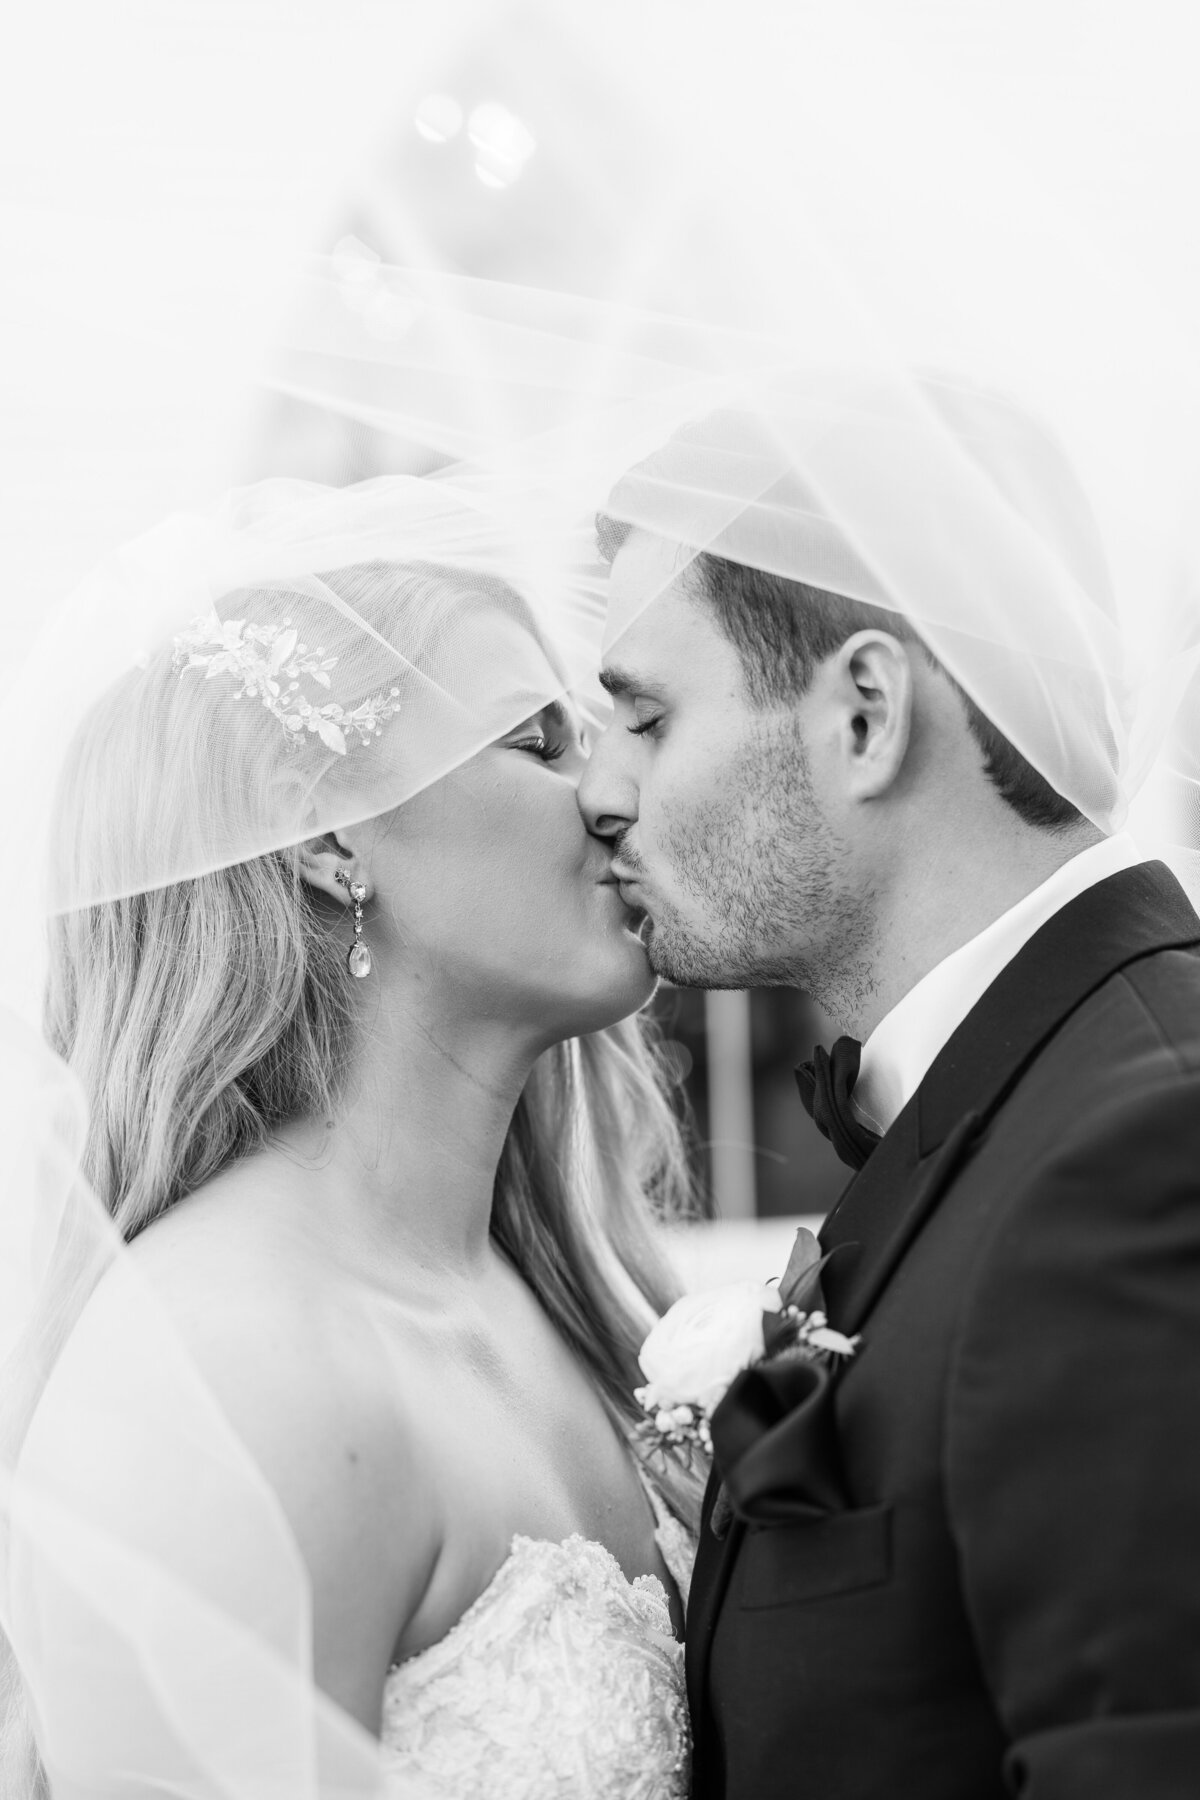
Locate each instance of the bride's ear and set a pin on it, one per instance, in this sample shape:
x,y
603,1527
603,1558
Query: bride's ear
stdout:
x,y
330,866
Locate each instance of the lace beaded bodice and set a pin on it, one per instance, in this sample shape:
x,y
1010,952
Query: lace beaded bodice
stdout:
x,y
564,1679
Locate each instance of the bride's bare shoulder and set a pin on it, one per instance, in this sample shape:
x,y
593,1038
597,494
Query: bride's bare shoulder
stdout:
x,y
276,1327
261,1318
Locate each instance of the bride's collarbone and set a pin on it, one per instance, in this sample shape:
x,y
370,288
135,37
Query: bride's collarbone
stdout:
x,y
535,1421
519,1443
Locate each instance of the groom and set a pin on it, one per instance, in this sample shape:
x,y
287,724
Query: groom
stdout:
x,y
966,1564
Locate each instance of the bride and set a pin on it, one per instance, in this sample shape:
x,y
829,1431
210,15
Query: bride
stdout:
x,y
376,1118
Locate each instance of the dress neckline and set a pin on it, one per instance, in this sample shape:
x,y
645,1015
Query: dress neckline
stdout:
x,y
427,1661
665,1524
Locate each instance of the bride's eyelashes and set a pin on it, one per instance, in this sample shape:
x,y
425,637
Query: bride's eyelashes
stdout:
x,y
541,746
548,734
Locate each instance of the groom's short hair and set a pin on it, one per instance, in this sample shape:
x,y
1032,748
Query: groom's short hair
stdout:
x,y
783,630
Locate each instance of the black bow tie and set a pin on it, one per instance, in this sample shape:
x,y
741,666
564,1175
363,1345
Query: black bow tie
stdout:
x,y
826,1084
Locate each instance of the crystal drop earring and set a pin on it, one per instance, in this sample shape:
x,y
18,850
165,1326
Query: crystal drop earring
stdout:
x,y
358,960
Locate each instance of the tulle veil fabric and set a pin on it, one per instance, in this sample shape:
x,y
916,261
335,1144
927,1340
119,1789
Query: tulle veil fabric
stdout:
x,y
294,659
1035,532
153,1649
1026,497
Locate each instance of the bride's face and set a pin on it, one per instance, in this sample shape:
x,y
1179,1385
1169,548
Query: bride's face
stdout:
x,y
497,901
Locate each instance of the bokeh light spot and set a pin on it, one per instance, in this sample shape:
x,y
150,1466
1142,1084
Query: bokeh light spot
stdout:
x,y
438,118
503,143
676,1059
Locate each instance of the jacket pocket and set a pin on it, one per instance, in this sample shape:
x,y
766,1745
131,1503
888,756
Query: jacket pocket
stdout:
x,y
837,1554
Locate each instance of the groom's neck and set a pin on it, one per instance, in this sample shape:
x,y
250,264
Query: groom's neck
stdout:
x,y
942,893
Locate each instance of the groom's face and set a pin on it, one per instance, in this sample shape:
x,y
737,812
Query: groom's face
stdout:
x,y
719,834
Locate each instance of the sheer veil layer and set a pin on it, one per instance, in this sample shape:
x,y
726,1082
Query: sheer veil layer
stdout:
x,y
980,414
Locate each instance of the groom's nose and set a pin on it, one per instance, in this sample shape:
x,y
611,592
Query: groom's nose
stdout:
x,y
607,795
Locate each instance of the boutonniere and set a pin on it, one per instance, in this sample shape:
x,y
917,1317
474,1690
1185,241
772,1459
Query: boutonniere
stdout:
x,y
705,1339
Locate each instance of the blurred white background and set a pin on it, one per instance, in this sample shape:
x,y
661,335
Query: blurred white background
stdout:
x,y
723,1250
161,161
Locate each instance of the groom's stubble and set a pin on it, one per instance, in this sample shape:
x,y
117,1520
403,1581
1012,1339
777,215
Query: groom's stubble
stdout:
x,y
761,874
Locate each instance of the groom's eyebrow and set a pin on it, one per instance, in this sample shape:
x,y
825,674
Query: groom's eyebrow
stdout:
x,y
617,681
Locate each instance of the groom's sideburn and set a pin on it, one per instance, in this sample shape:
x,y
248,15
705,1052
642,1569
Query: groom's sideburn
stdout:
x,y
1008,1601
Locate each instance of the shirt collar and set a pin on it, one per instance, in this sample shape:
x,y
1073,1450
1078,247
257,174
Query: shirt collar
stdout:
x,y
905,1042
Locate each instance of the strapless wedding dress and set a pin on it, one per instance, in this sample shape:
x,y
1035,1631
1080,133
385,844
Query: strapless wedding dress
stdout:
x,y
564,1681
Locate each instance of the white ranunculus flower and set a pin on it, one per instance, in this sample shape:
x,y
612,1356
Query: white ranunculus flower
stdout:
x,y
702,1342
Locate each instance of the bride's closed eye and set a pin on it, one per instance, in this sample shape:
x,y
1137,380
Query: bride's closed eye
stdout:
x,y
548,735
538,744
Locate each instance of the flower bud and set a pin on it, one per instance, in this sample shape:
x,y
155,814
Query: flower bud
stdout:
x,y
824,1338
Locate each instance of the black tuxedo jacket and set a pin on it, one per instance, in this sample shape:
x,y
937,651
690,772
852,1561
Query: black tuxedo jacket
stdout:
x,y
967,1563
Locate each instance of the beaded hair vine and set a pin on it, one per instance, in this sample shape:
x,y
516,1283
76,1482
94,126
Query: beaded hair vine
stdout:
x,y
268,661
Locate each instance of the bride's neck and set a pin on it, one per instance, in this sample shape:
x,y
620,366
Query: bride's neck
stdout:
x,y
404,1169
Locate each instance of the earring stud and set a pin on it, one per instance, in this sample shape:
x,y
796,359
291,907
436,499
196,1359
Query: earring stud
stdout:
x,y
358,959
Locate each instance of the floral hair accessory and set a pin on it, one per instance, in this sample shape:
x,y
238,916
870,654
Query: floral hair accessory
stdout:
x,y
269,661
705,1339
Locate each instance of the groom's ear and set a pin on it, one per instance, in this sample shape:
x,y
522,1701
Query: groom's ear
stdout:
x,y
874,691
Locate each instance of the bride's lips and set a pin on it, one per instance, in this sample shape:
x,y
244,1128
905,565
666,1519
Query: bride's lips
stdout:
x,y
619,885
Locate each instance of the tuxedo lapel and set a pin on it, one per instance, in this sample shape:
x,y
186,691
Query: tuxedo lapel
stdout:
x,y
882,1212
849,1282
1136,913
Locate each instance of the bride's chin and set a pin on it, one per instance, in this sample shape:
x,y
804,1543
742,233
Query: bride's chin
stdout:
x,y
634,981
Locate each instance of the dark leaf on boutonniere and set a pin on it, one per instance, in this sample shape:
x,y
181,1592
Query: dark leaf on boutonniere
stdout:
x,y
800,1284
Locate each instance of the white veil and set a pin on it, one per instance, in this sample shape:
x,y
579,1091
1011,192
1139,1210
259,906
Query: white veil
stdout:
x,y
931,280
305,657
1045,556
1020,484
162,1647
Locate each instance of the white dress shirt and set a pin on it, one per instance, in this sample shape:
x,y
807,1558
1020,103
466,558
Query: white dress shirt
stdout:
x,y
906,1041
